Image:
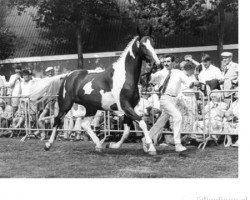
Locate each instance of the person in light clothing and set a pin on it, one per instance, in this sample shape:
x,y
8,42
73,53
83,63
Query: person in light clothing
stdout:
x,y
78,113
230,71
168,100
15,87
209,75
209,71
49,72
3,89
25,108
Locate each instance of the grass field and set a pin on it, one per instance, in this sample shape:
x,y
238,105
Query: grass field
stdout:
x,y
68,159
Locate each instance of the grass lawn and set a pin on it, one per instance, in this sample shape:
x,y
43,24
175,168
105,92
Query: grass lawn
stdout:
x,y
68,159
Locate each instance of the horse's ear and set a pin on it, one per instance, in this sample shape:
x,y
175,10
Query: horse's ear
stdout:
x,y
150,31
138,31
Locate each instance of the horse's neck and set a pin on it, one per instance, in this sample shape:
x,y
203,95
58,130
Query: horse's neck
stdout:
x,y
134,68
133,64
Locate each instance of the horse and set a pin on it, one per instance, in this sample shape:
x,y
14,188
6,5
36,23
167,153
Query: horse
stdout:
x,y
115,88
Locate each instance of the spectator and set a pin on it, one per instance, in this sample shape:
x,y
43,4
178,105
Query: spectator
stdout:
x,y
186,102
68,124
3,91
15,87
207,73
217,111
6,114
78,113
49,72
230,71
231,123
23,110
210,74
57,70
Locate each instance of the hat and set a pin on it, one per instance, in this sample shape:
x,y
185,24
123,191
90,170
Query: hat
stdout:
x,y
49,69
226,54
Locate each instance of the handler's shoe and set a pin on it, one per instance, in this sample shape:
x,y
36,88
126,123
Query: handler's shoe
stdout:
x,y
180,148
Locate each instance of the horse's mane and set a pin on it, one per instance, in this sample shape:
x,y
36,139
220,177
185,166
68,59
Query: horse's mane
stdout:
x,y
127,49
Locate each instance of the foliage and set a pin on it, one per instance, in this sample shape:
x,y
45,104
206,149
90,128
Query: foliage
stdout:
x,y
174,16
60,19
7,38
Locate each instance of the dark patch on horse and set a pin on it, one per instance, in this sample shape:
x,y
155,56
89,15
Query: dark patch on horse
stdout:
x,y
114,107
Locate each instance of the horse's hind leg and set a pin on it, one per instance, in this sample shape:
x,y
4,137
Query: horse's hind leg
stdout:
x,y
86,125
64,107
57,123
127,124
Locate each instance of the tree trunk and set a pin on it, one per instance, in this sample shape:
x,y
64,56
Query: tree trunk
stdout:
x,y
221,29
79,47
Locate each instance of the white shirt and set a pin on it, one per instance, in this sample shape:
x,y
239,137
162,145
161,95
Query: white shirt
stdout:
x,y
2,81
25,88
16,87
210,73
185,88
177,78
158,78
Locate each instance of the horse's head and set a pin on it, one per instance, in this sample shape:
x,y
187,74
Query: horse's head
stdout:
x,y
145,44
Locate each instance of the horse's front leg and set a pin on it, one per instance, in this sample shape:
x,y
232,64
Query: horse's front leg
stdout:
x,y
148,147
127,124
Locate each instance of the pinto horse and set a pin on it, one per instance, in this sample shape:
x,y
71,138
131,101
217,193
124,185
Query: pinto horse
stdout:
x,y
115,88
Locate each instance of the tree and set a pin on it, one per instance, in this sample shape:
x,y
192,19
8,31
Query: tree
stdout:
x,y
173,16
73,16
221,7
7,38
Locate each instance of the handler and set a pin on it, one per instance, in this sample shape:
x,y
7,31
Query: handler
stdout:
x,y
170,82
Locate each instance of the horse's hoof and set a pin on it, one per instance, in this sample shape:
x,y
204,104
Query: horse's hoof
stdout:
x,y
98,149
113,145
47,146
152,153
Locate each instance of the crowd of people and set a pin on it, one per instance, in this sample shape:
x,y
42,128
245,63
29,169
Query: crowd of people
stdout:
x,y
171,102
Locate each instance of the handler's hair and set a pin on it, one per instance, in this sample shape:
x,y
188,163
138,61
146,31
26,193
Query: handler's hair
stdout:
x,y
170,56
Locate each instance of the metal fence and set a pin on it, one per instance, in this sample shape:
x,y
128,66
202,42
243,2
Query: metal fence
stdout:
x,y
196,110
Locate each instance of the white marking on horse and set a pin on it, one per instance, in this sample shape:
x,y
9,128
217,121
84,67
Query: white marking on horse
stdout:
x,y
64,89
95,71
131,51
88,87
151,49
119,75
107,99
72,72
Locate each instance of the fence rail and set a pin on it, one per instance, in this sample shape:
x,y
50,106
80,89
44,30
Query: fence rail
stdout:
x,y
195,108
